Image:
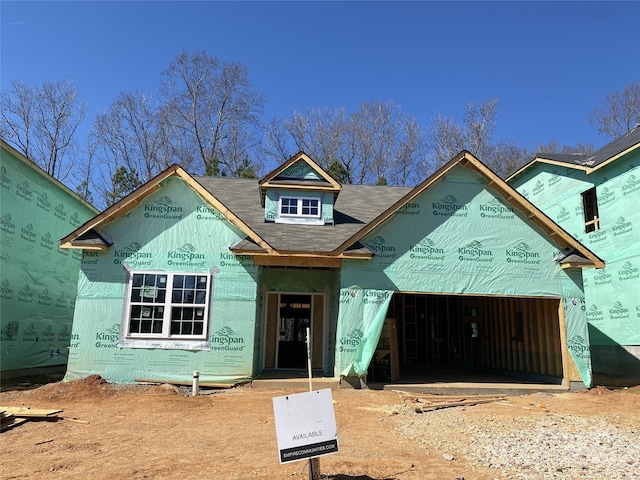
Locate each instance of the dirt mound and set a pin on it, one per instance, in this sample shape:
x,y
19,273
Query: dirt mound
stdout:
x,y
599,390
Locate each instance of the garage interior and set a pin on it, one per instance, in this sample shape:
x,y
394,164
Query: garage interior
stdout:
x,y
467,338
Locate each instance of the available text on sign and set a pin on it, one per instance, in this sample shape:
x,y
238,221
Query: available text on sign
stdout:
x,y
305,425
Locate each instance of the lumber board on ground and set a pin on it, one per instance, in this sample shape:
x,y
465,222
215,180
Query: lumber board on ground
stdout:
x,y
427,403
28,412
10,422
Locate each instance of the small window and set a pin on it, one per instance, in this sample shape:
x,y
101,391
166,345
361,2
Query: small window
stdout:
x,y
590,205
167,305
300,207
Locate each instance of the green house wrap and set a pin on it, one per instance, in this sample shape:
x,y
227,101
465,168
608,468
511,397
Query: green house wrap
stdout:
x,y
362,314
607,182
190,273
37,279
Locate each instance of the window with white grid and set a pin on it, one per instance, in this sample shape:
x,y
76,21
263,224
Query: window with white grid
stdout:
x,y
300,207
168,305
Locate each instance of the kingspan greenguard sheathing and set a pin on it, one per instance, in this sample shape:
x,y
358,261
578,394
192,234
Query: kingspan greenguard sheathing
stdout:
x,y
38,280
459,236
171,230
612,294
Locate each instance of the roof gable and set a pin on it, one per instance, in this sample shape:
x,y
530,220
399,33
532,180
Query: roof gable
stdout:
x,y
449,203
88,235
299,173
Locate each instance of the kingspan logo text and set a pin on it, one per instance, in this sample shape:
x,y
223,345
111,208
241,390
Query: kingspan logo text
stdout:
x,y
632,184
206,211
579,347
618,311
449,206
23,190
185,256
379,246
163,208
131,253
108,338
628,271
350,342
43,202
426,250
494,208
621,227
226,339
474,252
593,313
521,254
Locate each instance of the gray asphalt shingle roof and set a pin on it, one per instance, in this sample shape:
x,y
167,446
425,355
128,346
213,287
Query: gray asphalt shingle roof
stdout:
x,y
610,150
355,207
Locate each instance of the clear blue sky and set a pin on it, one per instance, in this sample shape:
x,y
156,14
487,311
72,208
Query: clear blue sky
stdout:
x,y
548,63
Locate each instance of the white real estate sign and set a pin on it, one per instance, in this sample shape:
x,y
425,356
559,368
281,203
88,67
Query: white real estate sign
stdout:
x,y
305,425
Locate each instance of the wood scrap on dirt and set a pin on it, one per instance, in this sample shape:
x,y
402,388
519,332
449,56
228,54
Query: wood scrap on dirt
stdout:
x,y
428,402
11,417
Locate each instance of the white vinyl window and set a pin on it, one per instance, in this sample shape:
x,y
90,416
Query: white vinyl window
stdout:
x,y
167,305
300,207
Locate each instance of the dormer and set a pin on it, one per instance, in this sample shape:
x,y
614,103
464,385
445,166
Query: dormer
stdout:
x,y
299,192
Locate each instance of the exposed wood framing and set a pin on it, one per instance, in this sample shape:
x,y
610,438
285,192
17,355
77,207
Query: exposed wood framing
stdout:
x,y
296,261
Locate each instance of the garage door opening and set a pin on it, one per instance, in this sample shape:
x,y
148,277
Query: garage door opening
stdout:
x,y
470,335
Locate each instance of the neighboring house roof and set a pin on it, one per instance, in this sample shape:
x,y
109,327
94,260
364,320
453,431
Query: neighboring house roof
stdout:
x,y
357,212
5,146
589,163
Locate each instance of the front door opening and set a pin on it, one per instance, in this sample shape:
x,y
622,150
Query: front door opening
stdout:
x,y
294,317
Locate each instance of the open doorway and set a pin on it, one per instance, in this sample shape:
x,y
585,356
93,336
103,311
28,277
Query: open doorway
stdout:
x,y
294,317
478,333
287,316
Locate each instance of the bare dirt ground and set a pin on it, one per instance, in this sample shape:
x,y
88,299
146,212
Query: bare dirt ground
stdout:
x,y
142,432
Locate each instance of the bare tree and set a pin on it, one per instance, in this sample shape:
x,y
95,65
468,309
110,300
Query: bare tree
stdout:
x,y
506,157
447,139
553,146
210,105
129,139
619,113
42,124
378,143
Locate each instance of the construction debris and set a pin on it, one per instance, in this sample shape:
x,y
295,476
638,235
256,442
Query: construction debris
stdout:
x,y
11,417
425,403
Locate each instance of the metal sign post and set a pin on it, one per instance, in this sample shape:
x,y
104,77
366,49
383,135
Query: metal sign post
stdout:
x,y
314,463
